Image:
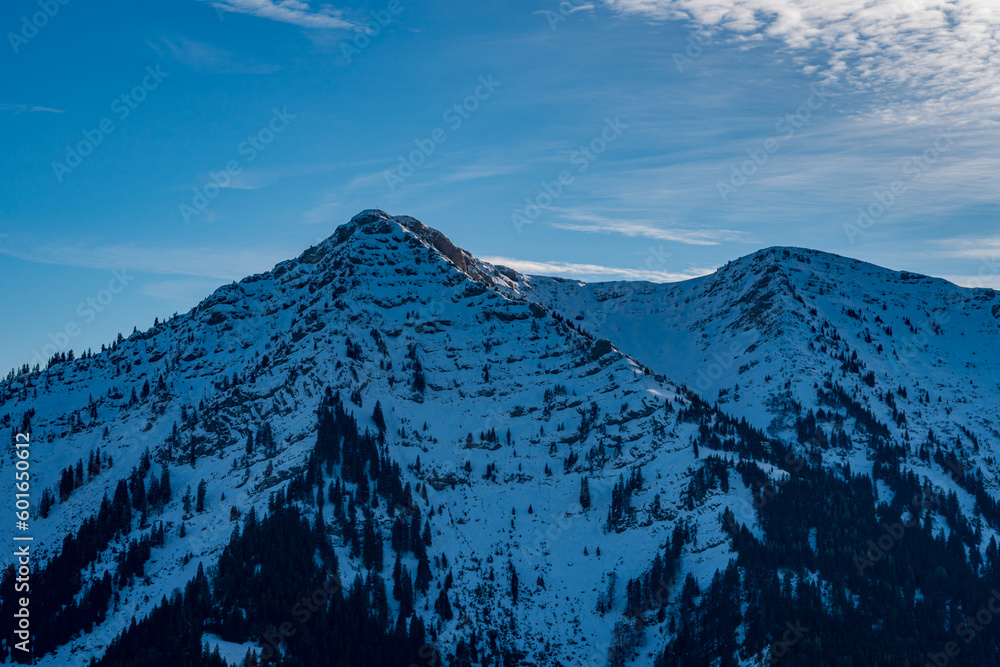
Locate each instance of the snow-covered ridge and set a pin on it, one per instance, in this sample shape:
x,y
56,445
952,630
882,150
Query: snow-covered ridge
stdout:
x,y
387,299
356,313
789,314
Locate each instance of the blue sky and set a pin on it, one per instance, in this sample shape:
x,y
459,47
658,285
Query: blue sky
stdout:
x,y
187,144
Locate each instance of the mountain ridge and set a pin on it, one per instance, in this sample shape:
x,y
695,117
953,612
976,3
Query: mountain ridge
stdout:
x,y
498,395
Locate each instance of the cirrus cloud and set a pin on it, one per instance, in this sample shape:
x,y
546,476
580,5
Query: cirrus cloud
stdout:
x,y
295,12
918,60
588,271
583,221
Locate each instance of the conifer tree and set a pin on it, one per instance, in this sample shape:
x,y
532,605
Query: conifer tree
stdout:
x,y
202,491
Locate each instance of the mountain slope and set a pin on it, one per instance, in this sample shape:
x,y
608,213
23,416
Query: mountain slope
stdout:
x,y
498,395
788,316
358,314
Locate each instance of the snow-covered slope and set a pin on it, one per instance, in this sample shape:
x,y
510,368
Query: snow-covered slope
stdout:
x,y
765,329
456,350
355,313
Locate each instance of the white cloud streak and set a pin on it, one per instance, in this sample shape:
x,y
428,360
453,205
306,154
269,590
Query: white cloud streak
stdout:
x,y
595,224
21,108
988,281
920,60
583,271
184,290
294,12
984,248
210,58
221,263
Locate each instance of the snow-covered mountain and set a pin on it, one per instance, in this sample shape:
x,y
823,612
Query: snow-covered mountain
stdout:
x,y
766,328
569,445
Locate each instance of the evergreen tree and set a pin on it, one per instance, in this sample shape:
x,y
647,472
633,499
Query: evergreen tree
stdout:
x,y
202,491
423,579
166,495
138,492
378,417
442,606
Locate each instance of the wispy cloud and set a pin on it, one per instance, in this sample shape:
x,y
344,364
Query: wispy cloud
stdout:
x,y
987,281
585,271
565,9
21,108
295,12
476,171
210,58
919,60
982,248
186,290
814,184
586,222
330,210
217,263
570,10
